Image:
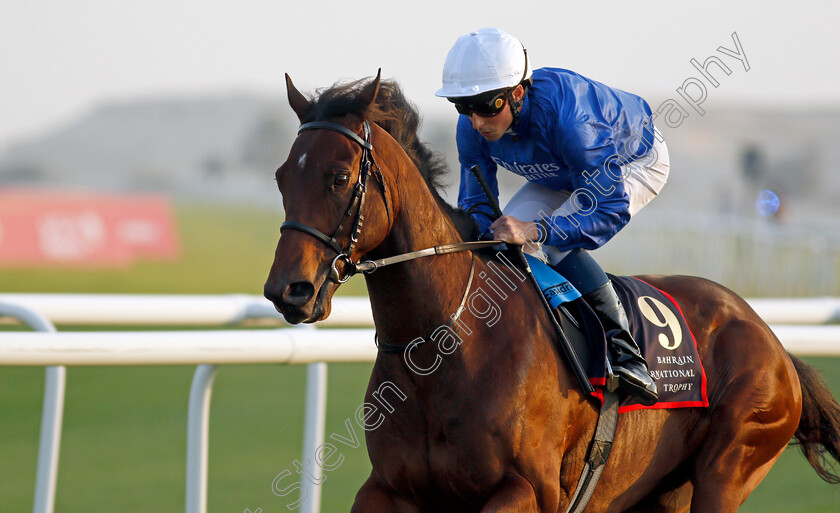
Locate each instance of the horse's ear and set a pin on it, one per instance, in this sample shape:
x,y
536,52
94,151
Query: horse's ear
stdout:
x,y
371,90
297,101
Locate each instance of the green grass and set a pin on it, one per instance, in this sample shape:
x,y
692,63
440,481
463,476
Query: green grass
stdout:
x,y
124,439
124,442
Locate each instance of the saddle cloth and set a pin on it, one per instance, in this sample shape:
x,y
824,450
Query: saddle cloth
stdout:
x,y
659,328
668,345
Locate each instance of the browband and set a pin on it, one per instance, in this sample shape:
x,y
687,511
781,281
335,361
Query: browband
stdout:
x,y
326,125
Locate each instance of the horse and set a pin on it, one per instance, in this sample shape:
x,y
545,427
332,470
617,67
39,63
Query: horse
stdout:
x,y
485,413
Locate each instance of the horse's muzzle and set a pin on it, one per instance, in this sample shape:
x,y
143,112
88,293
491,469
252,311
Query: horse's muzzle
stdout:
x,y
292,300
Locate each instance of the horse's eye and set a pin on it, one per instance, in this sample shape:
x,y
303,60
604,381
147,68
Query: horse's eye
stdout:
x,y
341,180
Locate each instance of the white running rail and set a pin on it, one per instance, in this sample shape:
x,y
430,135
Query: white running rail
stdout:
x,y
216,310
797,323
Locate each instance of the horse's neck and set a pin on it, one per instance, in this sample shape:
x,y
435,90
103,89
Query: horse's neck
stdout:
x,y
411,299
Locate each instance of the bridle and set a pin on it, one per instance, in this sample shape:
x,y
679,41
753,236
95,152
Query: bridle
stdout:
x,y
367,165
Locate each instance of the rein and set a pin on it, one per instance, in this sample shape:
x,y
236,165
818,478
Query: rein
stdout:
x,y
366,165
397,348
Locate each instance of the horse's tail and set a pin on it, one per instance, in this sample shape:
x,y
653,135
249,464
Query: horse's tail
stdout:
x,y
819,426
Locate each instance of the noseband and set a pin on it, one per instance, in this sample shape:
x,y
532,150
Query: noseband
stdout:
x,y
366,165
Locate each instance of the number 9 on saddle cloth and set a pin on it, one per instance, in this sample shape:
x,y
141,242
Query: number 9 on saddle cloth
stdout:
x,y
656,322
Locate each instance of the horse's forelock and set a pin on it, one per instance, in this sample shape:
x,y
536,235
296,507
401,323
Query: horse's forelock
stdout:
x,y
392,111
398,116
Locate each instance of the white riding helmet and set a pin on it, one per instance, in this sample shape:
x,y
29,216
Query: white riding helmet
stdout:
x,y
485,60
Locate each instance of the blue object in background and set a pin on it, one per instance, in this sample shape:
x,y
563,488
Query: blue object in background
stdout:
x,y
767,203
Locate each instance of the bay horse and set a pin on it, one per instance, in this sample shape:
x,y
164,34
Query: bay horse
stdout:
x,y
497,422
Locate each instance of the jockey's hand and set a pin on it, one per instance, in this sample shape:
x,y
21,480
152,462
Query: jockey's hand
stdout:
x,y
509,229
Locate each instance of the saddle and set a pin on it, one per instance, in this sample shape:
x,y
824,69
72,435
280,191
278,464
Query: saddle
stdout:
x,y
657,324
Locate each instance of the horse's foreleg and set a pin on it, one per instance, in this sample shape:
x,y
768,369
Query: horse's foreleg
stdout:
x,y
515,495
372,498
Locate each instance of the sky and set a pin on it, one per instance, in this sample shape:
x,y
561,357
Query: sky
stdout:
x,y
61,59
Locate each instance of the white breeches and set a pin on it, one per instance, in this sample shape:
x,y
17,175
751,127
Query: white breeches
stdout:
x,y
643,179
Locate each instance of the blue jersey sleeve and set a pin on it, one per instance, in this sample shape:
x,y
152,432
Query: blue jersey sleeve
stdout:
x,y
472,151
598,193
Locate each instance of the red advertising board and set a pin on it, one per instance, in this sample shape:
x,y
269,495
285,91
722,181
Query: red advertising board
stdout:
x,y
81,229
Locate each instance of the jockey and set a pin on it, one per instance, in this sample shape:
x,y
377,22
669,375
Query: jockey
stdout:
x,y
590,153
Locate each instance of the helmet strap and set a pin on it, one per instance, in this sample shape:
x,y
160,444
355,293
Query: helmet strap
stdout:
x,y
515,106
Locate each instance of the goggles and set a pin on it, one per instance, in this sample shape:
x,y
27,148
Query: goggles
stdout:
x,y
483,105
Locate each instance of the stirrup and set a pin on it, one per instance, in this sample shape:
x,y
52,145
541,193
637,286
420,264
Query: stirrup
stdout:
x,y
645,393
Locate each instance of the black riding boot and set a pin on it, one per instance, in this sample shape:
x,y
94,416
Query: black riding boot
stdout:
x,y
626,360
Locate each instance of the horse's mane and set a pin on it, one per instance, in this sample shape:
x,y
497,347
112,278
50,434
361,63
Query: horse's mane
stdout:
x,y
398,116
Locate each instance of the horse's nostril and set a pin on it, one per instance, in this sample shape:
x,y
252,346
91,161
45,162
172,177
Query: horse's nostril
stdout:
x,y
298,293
270,294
